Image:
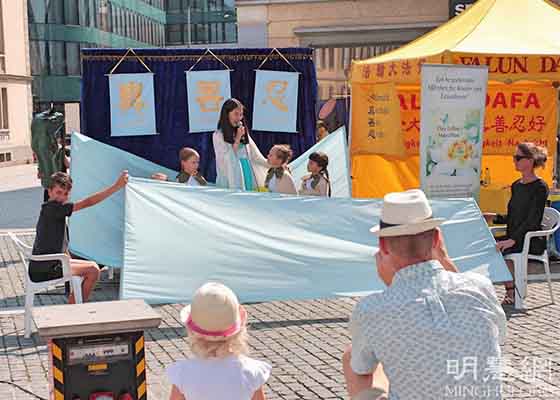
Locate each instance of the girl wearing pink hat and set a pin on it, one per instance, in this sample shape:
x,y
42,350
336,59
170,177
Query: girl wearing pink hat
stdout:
x,y
216,325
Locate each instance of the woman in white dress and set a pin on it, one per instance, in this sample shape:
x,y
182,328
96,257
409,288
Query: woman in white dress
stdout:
x,y
239,163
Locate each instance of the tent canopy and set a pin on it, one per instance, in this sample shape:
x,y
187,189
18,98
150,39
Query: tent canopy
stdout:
x,y
518,39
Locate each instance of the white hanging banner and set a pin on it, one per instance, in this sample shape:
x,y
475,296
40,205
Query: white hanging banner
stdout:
x,y
206,93
451,128
276,101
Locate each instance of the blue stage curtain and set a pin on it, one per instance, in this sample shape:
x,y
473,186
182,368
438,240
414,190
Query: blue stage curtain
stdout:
x,y
169,66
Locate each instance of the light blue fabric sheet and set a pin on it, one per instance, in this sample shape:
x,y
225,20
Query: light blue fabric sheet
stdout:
x,y
334,145
96,233
271,247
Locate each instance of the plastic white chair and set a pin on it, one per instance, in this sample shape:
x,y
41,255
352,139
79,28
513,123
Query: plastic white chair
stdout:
x,y
31,288
550,224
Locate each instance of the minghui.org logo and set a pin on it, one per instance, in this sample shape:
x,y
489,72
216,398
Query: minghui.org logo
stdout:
x,y
472,392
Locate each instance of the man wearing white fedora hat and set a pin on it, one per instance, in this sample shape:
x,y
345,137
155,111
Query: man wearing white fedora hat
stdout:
x,y
435,332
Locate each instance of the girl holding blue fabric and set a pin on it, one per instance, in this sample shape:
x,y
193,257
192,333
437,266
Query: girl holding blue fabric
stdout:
x,y
239,163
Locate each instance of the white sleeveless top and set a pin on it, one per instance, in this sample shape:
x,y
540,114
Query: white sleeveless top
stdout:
x,y
231,378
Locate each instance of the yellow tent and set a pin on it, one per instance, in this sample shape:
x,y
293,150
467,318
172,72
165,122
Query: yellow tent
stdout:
x,y
520,42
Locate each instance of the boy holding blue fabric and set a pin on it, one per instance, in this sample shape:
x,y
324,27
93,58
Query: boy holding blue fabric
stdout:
x,y
52,233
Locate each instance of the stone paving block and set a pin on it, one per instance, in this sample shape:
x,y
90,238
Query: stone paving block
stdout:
x,y
303,340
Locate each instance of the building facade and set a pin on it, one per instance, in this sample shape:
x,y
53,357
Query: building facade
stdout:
x,y
59,29
15,84
196,23
338,30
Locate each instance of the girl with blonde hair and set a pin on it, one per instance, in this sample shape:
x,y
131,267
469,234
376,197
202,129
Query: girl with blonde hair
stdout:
x,y
216,325
279,178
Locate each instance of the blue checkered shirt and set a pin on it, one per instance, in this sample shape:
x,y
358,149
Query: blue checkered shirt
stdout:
x,y
437,334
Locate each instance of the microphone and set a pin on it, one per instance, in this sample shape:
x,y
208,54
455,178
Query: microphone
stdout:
x,y
244,137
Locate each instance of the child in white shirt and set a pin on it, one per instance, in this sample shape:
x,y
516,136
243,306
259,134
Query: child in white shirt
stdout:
x,y
216,325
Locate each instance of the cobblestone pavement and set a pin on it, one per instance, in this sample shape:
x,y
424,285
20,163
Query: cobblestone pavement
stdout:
x,y
21,196
303,340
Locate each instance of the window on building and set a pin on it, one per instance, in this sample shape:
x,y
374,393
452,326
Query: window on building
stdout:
x,y
330,58
5,157
110,27
145,30
174,7
71,12
187,33
174,34
201,33
213,33
92,13
73,58
36,12
4,123
231,32
55,12
120,22
83,8
133,27
57,58
103,15
323,58
114,25
38,50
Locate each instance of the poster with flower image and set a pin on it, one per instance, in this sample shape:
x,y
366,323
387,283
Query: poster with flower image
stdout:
x,y
451,129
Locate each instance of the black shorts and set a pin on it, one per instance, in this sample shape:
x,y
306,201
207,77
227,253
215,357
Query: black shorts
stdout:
x,y
537,247
40,271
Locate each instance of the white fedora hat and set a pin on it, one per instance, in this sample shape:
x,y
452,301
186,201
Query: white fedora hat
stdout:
x,y
214,313
406,213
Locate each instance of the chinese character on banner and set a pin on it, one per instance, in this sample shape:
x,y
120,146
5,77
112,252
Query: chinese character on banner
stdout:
x,y
132,104
406,68
380,70
276,100
366,71
206,92
500,124
414,124
536,124
518,123
392,69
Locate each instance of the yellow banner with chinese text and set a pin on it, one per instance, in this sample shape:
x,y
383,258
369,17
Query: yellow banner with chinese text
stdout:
x,y
376,120
514,113
501,67
400,71
513,67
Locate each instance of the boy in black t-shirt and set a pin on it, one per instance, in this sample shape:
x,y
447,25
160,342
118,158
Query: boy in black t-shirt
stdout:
x,y
52,234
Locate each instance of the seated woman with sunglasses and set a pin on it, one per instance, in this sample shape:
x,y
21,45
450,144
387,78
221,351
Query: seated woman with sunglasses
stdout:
x,y
525,208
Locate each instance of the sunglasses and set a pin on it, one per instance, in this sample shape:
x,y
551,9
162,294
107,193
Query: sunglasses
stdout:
x,y
519,158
